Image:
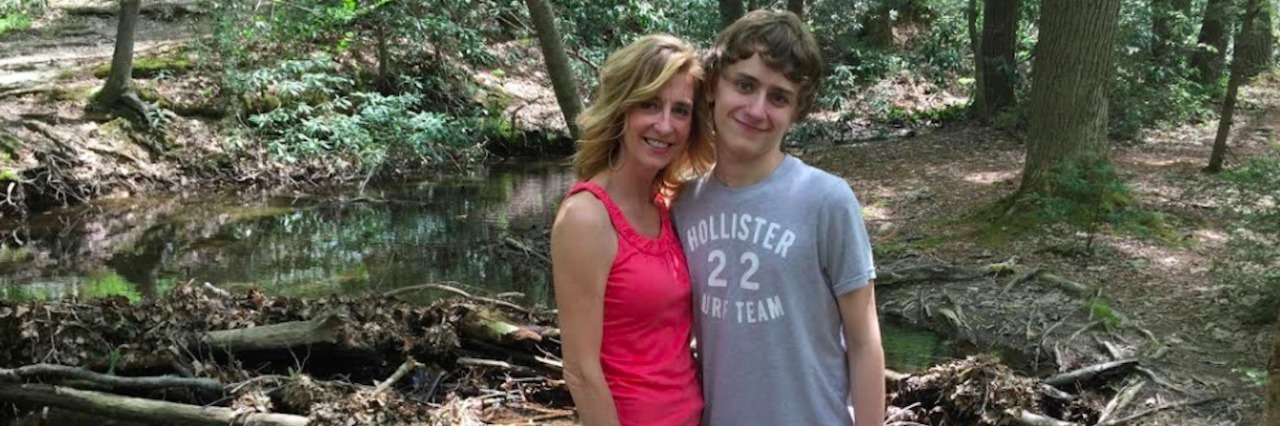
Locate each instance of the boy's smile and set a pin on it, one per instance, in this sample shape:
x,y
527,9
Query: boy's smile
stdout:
x,y
753,107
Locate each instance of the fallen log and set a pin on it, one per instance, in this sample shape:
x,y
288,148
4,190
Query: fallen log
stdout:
x,y
1027,418
1091,372
489,328
105,381
140,409
327,328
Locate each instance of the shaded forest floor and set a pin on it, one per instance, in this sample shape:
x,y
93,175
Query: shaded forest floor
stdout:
x,y
1159,300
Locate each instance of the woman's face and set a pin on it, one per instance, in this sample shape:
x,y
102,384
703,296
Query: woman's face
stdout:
x,y
657,130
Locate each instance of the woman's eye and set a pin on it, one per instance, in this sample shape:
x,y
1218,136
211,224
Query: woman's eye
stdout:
x,y
682,111
648,105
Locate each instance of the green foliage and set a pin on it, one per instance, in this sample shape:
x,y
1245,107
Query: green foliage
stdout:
x,y
316,116
1254,376
109,284
1100,310
1252,263
1085,194
1148,91
17,14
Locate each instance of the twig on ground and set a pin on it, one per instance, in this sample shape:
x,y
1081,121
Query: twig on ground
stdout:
x,y
1159,408
1090,372
409,365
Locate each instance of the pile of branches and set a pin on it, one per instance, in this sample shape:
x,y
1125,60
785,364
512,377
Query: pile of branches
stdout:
x,y
199,356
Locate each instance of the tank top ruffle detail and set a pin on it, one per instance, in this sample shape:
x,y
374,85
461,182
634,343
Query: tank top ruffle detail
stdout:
x,y
662,245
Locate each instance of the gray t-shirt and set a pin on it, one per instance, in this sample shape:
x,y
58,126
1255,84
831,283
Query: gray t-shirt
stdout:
x,y
767,262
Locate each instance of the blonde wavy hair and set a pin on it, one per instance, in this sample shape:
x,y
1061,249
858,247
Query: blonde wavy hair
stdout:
x,y
631,75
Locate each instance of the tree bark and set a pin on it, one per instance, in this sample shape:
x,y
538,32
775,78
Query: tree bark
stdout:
x,y
975,48
999,38
1068,108
140,409
796,7
1273,382
731,10
1211,46
122,58
1237,77
1254,47
544,23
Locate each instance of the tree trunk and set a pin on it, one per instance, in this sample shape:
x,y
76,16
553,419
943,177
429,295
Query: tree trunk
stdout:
x,y
1273,382
1168,24
122,59
975,48
562,81
730,10
796,7
1068,108
1238,72
1211,46
999,38
1254,47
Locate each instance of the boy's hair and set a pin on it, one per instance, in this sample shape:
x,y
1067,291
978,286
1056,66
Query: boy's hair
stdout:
x,y
784,44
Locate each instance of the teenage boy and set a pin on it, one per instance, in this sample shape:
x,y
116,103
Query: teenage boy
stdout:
x,y
784,307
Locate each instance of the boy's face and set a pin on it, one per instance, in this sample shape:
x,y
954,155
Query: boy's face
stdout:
x,y
753,108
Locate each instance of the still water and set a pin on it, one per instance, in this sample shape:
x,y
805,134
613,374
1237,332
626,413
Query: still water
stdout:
x,y
429,230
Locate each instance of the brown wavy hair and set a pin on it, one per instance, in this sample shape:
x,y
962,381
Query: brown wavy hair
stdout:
x,y
783,43
631,75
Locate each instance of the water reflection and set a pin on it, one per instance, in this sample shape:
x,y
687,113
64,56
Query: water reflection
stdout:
x,y
429,230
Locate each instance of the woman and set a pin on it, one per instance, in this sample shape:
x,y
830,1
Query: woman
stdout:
x,y
621,282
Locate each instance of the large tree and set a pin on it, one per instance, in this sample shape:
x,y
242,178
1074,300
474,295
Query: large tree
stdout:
x,y
796,7
996,68
1273,382
562,81
1254,47
1211,46
1067,112
122,59
1239,72
731,10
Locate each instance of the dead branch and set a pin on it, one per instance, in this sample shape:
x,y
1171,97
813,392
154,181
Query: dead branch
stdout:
x,y
513,368
1159,408
140,409
444,286
326,328
1027,418
23,91
516,244
409,365
1122,399
110,382
489,328
1091,372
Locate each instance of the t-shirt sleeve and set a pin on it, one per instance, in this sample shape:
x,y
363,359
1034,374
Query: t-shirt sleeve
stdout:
x,y
844,250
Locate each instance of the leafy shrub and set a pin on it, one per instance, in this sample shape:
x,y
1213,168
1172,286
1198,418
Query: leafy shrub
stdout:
x,y
1084,194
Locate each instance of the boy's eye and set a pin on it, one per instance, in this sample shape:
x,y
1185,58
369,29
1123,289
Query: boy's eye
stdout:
x,y
744,85
781,100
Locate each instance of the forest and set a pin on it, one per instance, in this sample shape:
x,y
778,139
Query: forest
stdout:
x,y
312,212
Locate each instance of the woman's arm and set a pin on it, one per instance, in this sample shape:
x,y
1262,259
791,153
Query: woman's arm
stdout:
x,y
583,246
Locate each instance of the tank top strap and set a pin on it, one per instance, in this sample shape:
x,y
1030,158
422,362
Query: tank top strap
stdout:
x,y
620,223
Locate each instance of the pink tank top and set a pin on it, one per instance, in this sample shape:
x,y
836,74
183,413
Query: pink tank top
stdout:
x,y
648,317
